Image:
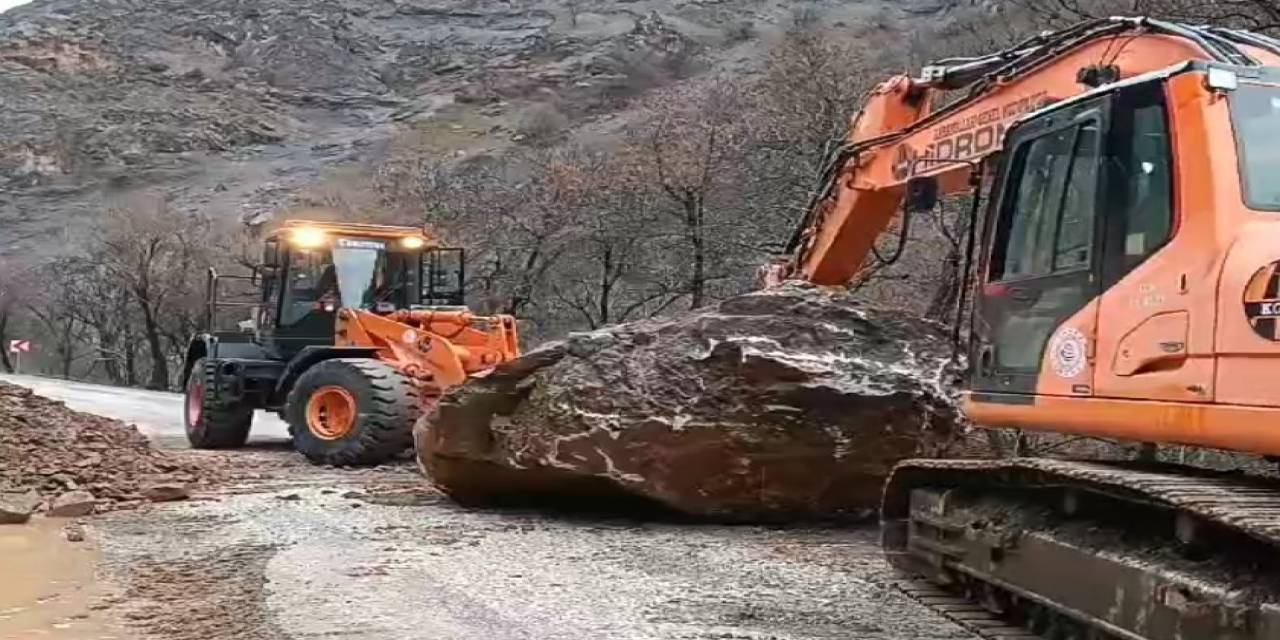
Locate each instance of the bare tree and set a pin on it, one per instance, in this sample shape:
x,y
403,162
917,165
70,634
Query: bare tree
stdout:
x,y
156,255
1256,15
686,146
51,306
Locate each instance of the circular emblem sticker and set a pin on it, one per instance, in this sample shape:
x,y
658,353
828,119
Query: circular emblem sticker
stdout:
x,y
1262,302
1067,352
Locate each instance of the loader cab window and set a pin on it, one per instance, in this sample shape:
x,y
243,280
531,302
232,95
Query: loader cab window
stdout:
x,y
393,283
355,275
311,281
444,277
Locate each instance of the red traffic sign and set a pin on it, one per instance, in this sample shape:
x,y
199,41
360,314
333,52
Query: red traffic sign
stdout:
x,y
20,346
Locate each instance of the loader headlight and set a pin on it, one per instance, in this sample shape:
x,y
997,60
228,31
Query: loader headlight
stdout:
x,y
308,237
412,242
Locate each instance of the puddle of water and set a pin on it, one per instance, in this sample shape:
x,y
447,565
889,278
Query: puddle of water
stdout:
x,y
48,584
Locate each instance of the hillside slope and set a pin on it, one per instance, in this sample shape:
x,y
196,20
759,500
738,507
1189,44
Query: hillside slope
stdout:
x,y
229,107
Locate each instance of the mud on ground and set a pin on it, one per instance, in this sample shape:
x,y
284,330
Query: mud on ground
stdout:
x,y
301,552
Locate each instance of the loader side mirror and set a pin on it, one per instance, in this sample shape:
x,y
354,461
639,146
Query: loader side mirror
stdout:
x,y
922,194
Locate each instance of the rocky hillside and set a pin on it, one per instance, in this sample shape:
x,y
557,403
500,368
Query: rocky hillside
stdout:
x,y
230,107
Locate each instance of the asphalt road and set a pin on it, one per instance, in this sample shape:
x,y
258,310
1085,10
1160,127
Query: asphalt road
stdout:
x,y
157,414
296,552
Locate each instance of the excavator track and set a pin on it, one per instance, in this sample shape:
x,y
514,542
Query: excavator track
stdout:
x,y
1066,549
974,617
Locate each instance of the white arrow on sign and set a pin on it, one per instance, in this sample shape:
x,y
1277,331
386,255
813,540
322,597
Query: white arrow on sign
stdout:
x,y
20,346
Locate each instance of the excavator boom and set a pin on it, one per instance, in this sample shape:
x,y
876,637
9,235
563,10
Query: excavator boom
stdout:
x,y
905,130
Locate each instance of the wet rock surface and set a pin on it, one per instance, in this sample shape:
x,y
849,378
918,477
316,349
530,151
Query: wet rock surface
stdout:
x,y
72,504
16,508
786,404
166,492
78,462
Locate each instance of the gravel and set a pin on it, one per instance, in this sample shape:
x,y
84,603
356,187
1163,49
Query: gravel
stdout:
x,y
68,456
374,554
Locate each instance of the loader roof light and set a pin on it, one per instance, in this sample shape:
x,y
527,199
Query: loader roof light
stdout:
x,y
308,237
412,242
1222,79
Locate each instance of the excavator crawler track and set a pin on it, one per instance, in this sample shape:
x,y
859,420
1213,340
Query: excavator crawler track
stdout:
x,y
964,612
1069,549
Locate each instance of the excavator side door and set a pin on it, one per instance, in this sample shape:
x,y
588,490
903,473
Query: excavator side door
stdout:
x,y
1033,311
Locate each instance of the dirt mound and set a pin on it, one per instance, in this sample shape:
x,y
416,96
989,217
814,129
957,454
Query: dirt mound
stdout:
x,y
787,404
50,449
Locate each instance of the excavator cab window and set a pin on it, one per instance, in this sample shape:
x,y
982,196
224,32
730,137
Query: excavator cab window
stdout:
x,y
1048,224
1255,114
1138,170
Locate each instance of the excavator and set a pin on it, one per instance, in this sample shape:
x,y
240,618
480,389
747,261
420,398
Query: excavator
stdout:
x,y
356,330
1123,257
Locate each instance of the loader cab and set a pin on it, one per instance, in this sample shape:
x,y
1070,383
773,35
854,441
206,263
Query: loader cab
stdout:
x,y
311,270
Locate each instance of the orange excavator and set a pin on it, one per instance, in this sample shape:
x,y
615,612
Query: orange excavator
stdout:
x,y
355,330
1124,256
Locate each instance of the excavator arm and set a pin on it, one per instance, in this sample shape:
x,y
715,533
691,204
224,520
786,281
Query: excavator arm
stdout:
x,y
917,128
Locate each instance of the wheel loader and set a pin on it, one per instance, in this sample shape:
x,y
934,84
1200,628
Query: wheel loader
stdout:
x,y
354,331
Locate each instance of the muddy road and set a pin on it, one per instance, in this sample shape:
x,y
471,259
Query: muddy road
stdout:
x,y
297,552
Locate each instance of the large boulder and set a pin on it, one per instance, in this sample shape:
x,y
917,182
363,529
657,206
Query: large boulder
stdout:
x,y
787,404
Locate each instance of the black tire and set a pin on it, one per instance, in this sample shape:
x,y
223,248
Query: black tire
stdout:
x,y
213,420
386,409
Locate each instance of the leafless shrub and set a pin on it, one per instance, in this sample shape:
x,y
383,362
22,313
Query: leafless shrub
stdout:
x,y
541,123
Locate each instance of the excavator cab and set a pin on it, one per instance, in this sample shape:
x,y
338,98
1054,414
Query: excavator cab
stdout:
x,y
356,330
1123,275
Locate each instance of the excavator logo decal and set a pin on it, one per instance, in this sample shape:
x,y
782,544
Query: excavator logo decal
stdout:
x,y
1262,302
1068,352
968,137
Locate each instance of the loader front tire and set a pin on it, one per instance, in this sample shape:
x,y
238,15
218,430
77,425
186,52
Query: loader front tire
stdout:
x,y
213,418
352,412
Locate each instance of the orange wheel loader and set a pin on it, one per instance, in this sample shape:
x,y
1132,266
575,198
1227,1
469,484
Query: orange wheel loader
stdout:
x,y
355,330
1124,255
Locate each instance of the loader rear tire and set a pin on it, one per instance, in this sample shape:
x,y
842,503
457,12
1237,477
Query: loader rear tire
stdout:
x,y
213,419
352,412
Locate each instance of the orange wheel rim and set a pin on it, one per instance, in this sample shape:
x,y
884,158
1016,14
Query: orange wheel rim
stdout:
x,y
331,413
